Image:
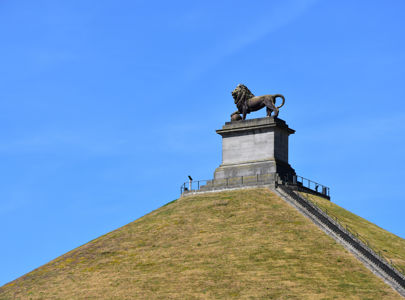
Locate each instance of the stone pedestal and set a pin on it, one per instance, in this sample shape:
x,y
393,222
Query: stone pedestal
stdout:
x,y
254,148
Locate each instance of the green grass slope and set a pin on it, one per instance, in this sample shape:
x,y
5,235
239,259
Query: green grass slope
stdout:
x,y
389,245
246,244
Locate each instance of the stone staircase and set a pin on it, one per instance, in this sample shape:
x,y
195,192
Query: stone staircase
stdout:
x,y
377,264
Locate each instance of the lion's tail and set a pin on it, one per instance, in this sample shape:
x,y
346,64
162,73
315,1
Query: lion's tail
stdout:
x,y
279,96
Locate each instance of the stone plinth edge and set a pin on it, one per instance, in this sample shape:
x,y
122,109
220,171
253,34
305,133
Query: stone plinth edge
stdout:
x,y
246,125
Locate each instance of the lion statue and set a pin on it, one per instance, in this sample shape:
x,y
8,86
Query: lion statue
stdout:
x,y
246,102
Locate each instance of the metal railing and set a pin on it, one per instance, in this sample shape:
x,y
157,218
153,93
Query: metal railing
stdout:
x,y
298,182
312,185
231,182
193,185
349,235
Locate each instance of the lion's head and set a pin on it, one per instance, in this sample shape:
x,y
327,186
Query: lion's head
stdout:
x,y
241,94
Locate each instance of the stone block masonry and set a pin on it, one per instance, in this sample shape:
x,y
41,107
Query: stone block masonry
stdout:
x,y
254,147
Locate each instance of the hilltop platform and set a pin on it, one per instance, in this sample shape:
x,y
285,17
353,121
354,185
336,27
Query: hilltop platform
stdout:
x,y
255,154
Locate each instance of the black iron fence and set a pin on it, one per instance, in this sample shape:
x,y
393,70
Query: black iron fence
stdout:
x,y
295,181
304,184
312,185
193,185
231,182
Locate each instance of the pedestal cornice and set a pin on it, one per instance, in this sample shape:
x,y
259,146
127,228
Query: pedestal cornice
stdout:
x,y
252,124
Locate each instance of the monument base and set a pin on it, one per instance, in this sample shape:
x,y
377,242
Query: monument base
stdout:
x,y
254,168
254,147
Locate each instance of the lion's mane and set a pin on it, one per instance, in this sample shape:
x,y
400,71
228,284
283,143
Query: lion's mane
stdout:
x,y
241,94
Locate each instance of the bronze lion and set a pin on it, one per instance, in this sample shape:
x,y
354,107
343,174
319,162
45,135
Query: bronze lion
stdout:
x,y
246,102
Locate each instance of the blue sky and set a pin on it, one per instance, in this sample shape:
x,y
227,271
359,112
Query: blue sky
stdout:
x,y
107,106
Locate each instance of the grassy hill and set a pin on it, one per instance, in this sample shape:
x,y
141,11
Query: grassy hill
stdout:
x,y
246,244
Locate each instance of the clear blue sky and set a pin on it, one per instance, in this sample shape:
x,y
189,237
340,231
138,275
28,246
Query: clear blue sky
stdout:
x,y
107,106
